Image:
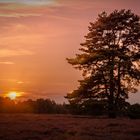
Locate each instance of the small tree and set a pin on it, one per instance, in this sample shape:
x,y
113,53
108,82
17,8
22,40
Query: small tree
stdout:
x,y
110,59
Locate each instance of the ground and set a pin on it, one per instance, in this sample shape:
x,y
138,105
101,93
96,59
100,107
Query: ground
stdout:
x,y
66,127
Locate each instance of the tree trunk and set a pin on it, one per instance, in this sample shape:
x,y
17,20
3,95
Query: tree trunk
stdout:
x,y
111,100
111,109
119,88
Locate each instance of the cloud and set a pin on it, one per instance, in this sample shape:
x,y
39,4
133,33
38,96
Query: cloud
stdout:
x,y
30,2
7,63
18,15
20,82
16,10
10,53
20,40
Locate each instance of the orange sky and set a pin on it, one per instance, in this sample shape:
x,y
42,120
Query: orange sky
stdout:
x,y
36,37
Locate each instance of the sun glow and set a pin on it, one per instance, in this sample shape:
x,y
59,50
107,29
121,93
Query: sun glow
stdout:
x,y
13,95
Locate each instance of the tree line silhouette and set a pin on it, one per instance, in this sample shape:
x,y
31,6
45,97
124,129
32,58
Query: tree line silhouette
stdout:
x,y
31,106
47,106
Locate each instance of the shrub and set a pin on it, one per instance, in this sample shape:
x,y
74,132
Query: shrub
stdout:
x,y
134,111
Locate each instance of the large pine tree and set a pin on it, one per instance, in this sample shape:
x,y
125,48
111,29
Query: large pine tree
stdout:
x,y
109,59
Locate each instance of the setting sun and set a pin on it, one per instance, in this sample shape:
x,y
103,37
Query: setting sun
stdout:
x,y
13,95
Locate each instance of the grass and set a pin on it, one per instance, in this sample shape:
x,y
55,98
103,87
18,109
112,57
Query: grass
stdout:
x,y
66,127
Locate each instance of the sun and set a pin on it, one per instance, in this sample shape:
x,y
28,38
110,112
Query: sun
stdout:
x,y
13,95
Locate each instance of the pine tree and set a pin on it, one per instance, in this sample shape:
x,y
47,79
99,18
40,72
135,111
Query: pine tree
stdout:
x,y
109,59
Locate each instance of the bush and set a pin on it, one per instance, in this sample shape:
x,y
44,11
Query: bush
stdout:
x,y
134,111
94,107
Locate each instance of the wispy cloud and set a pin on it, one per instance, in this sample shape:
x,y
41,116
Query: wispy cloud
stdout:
x,y
18,15
20,82
10,53
7,63
14,81
31,2
15,41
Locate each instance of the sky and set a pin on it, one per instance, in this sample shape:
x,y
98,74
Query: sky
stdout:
x,y
36,37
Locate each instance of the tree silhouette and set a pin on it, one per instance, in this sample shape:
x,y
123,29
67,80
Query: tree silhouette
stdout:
x,y
39,106
109,59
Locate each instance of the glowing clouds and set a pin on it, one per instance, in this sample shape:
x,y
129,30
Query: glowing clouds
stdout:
x,y
31,2
9,53
7,63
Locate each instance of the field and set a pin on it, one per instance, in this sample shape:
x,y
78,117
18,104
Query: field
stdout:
x,y
66,127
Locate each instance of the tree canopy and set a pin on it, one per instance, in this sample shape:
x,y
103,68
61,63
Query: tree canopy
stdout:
x,y
109,59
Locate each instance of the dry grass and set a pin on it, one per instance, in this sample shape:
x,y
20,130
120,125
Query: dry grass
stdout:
x,y
66,127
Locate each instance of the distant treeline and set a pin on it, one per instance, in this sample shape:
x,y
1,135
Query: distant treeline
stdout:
x,y
31,106
47,106
100,108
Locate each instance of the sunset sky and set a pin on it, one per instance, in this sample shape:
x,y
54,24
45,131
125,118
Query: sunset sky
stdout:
x,y
36,37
